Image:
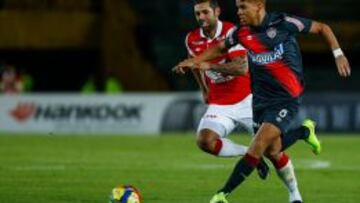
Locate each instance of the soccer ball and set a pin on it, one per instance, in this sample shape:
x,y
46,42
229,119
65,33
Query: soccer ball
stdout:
x,y
125,194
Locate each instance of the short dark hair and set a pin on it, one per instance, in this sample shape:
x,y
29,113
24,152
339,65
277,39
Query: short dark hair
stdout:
x,y
213,3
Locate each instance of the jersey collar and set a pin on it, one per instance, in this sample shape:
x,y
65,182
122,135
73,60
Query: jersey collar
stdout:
x,y
264,23
219,27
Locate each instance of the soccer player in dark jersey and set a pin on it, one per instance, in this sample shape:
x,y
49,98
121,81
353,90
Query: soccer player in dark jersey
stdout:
x,y
277,81
228,95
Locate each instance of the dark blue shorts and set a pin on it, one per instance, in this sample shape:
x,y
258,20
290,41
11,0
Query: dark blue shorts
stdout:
x,y
282,115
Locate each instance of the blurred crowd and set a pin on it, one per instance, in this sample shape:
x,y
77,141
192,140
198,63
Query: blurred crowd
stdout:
x,y
13,81
138,42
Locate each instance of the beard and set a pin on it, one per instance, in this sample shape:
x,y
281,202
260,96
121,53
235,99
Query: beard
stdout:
x,y
206,25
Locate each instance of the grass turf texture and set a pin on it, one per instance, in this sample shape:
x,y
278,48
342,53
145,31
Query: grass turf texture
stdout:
x,y
166,169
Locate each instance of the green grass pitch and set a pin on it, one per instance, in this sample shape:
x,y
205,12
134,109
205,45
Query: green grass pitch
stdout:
x,y
166,169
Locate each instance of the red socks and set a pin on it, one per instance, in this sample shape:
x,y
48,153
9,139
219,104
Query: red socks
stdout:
x,y
252,161
218,146
284,159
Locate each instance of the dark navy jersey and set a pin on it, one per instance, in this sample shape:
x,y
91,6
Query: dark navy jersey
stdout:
x,y
274,57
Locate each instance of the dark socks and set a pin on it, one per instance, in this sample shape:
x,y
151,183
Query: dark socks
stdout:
x,y
292,136
241,171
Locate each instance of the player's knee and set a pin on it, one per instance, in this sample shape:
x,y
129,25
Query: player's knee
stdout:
x,y
206,140
272,154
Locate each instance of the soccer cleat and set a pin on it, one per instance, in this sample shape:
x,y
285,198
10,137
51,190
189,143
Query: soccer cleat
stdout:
x,y
219,198
263,169
312,140
297,201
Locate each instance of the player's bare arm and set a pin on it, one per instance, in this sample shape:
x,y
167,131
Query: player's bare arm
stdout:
x,y
209,54
201,82
237,66
324,30
203,87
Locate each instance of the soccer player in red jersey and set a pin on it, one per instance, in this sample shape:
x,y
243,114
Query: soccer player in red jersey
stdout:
x,y
277,82
227,94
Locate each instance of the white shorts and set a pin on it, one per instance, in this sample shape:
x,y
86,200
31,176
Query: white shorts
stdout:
x,y
223,119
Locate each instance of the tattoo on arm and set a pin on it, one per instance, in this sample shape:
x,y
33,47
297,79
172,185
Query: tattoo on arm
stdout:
x,y
238,66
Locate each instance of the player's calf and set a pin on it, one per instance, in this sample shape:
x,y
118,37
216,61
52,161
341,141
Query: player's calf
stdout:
x,y
210,142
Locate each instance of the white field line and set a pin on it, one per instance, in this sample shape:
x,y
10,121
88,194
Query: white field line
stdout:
x,y
305,164
40,168
298,164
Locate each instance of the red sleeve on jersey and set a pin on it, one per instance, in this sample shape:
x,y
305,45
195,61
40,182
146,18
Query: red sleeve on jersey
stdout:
x,y
237,53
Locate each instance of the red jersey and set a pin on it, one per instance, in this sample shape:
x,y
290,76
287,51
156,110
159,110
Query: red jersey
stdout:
x,y
223,89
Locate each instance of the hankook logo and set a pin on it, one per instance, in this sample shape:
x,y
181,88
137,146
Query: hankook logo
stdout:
x,y
23,111
60,112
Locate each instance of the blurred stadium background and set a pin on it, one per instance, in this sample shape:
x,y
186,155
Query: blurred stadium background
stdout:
x,y
102,67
